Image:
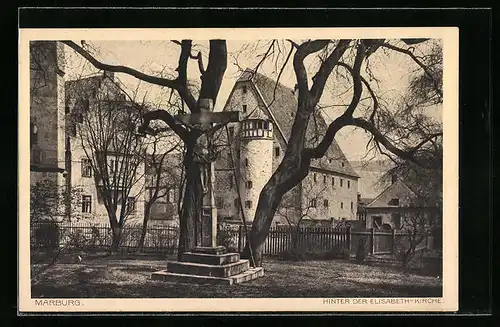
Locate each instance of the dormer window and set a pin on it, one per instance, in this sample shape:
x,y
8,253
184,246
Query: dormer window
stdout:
x,y
394,202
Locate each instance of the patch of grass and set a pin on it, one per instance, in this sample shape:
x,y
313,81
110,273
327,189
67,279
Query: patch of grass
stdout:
x,y
119,278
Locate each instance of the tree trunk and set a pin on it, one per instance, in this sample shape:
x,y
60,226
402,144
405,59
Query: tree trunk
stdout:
x,y
117,235
190,213
286,176
147,213
264,215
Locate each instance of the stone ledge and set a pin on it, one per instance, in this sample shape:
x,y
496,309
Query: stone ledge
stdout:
x,y
201,269
218,250
210,259
248,275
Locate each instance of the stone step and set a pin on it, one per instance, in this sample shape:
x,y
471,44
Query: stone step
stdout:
x,y
210,259
209,250
247,275
201,269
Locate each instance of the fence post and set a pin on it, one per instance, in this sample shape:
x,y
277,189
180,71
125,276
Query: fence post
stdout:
x,y
372,241
349,239
393,241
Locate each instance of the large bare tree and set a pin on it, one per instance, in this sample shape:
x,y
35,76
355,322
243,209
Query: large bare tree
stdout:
x,y
333,55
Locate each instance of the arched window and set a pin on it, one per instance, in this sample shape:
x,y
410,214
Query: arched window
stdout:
x,y
34,134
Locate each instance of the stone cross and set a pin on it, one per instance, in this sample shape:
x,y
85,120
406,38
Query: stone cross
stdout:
x,y
205,120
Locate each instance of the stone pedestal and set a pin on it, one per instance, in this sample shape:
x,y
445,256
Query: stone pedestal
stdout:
x,y
209,265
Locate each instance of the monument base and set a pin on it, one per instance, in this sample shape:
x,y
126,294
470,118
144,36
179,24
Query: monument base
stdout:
x,y
209,265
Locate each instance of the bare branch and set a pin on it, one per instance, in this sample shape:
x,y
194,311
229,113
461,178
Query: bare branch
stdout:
x,y
211,80
368,87
167,118
319,80
380,138
121,69
303,51
199,58
418,62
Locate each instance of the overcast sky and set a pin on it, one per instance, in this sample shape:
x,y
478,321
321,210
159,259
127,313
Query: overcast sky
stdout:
x,y
161,57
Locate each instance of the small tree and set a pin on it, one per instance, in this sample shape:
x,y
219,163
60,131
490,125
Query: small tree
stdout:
x,y
417,226
163,173
106,127
299,204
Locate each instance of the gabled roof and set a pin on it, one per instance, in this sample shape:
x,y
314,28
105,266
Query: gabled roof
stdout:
x,y
87,87
281,103
393,187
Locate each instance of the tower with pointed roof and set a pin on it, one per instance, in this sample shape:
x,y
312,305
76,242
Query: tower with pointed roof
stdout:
x,y
256,152
258,145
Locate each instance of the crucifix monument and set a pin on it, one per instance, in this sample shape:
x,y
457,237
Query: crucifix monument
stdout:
x,y
207,262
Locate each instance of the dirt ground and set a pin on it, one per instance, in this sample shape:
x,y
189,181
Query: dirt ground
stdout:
x,y
118,277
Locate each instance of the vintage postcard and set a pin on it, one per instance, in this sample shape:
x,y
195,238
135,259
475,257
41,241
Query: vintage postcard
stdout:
x,y
238,170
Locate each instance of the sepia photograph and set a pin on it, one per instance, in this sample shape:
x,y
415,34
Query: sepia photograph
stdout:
x,y
281,165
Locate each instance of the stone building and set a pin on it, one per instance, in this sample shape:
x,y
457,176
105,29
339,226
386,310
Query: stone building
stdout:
x,y
47,117
258,144
87,99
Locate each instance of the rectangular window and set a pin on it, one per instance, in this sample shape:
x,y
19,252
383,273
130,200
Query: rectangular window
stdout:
x,y
394,202
248,204
244,89
219,202
259,125
246,162
244,108
131,206
324,179
341,182
325,203
231,133
87,203
314,177
277,151
312,203
249,184
333,181
348,184
116,194
352,205
341,205
79,117
34,134
86,168
266,125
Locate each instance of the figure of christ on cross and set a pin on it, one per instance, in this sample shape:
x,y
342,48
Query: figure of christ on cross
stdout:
x,y
208,122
